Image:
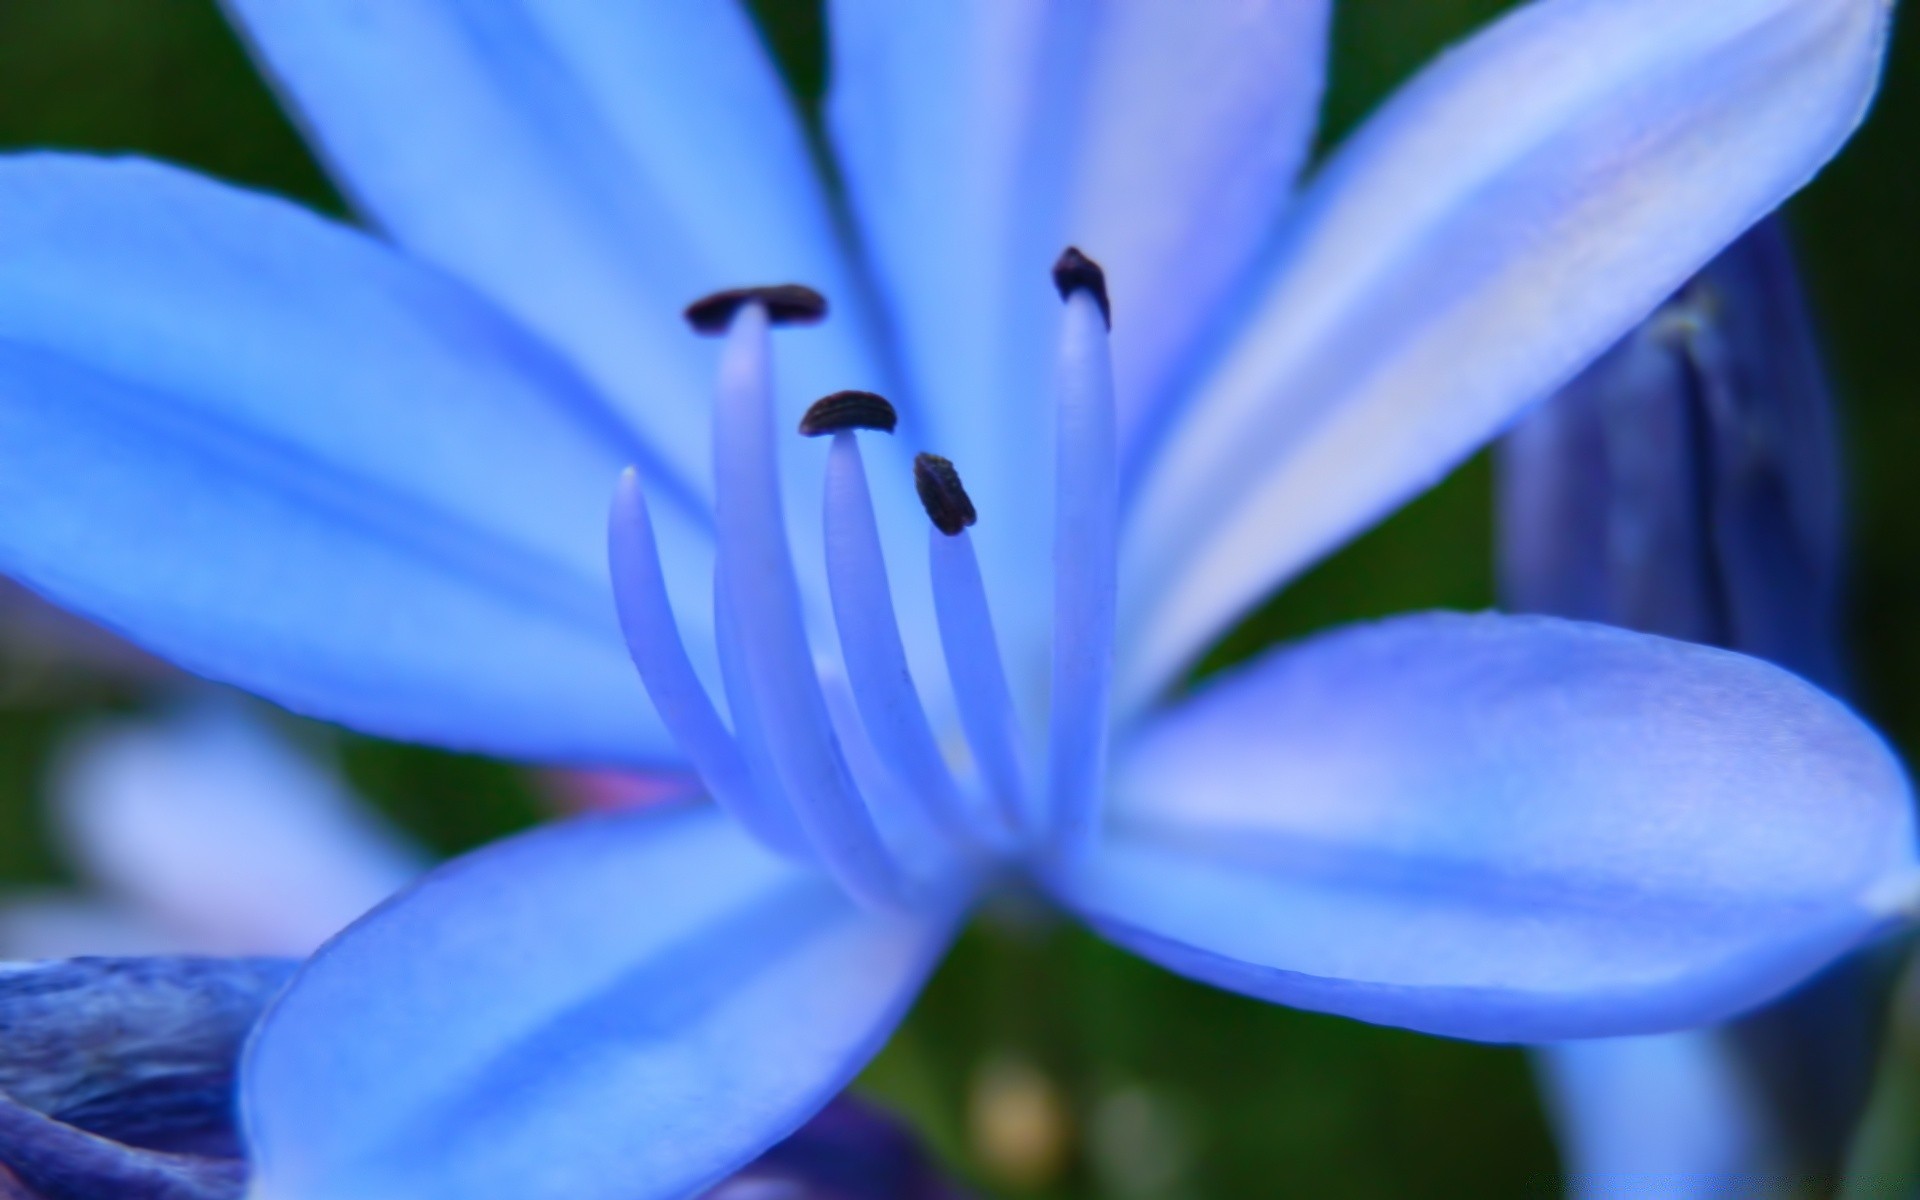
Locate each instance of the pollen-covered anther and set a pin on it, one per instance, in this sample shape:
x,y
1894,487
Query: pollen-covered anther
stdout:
x,y
786,304
1074,271
942,495
848,410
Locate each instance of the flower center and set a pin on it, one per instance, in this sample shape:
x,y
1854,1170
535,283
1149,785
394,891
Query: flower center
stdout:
x,y
844,768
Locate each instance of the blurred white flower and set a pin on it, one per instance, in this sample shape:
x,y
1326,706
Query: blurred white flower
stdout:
x,y
203,831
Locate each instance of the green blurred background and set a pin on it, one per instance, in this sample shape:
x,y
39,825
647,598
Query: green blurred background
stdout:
x,y
1041,1062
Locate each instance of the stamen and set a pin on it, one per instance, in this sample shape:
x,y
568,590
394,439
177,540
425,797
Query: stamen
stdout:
x,y
784,304
927,852
653,639
1086,506
757,571
941,494
972,651
882,685
1074,271
848,410
749,731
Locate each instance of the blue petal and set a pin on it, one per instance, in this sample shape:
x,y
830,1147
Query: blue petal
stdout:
x,y
617,1008
1665,1115
1197,119
1505,828
979,139
265,447
1505,218
592,166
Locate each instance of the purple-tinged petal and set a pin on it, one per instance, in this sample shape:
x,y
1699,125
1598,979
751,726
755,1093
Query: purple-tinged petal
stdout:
x,y
60,1162
1505,218
592,166
621,1007
979,139
1505,828
210,823
266,447
139,1050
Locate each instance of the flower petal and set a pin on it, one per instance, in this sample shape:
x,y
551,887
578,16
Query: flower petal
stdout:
x,y
977,140
619,1007
1499,223
141,1050
1664,1115
213,824
265,447
1198,117
1505,828
593,167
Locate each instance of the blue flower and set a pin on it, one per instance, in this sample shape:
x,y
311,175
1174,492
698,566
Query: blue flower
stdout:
x,y
367,477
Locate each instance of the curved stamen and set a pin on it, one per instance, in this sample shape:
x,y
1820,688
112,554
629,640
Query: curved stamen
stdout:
x,y
1086,503
979,679
749,731
876,660
653,640
927,853
757,571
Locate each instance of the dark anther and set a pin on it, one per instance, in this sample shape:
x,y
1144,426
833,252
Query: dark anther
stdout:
x,y
848,410
945,500
1073,271
786,304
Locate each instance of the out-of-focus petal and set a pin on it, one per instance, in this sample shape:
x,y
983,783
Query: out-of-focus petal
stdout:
x,y
593,166
1663,1115
1601,499
1505,828
1499,223
273,451
977,140
616,1007
213,824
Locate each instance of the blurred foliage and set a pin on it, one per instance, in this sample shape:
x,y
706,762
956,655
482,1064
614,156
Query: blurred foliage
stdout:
x,y
1154,1086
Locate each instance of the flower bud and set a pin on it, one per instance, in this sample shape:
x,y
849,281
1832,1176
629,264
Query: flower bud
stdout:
x,y
1687,484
